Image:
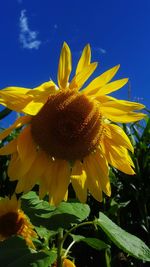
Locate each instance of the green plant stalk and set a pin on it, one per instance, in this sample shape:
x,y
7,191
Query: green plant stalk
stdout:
x,y
59,248
61,240
69,247
108,257
75,227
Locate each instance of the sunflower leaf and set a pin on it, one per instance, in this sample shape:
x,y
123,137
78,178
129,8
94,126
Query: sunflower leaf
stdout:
x,y
91,241
41,213
127,242
66,214
15,253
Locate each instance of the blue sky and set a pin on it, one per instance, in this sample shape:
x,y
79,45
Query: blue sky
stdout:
x,y
32,33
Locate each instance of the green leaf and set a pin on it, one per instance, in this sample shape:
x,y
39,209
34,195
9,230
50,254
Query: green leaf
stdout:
x,y
122,239
92,242
41,213
15,253
31,203
39,259
11,249
67,214
43,232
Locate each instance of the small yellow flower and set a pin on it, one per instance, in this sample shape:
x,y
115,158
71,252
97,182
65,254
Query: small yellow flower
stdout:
x,y
13,221
66,263
68,134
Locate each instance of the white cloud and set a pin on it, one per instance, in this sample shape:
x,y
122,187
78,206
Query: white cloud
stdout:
x,y
27,38
100,50
55,26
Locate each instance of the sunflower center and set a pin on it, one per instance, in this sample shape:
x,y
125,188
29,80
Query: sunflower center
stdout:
x,y
10,224
68,126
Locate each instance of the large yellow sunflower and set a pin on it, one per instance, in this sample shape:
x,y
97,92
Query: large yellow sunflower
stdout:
x,y
68,134
13,221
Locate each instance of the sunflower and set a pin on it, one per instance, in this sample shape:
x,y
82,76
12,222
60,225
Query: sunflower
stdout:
x,y
13,221
69,132
66,263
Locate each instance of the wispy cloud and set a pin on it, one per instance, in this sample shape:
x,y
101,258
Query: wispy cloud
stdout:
x,y
100,50
96,51
20,1
55,26
27,37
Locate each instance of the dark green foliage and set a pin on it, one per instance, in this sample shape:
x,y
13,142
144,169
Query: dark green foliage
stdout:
x,y
15,253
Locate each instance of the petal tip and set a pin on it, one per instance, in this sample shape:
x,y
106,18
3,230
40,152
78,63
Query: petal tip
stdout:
x,y
65,45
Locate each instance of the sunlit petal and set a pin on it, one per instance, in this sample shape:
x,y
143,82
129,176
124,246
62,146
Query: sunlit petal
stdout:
x,y
93,182
15,98
118,157
111,87
123,105
59,178
100,81
117,136
17,124
121,116
78,179
79,79
65,66
9,148
85,59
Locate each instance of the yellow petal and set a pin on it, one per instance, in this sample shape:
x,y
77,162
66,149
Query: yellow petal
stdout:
x,y
22,160
25,145
117,136
78,180
33,107
66,196
25,184
100,81
58,175
14,90
84,59
14,98
34,174
101,166
117,115
64,67
93,183
9,148
17,168
68,263
17,124
123,105
39,165
118,157
104,98
80,78
111,87
9,205
47,87
40,96
42,189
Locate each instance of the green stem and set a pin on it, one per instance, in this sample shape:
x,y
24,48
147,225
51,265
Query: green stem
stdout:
x,y
74,228
69,247
59,248
61,240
